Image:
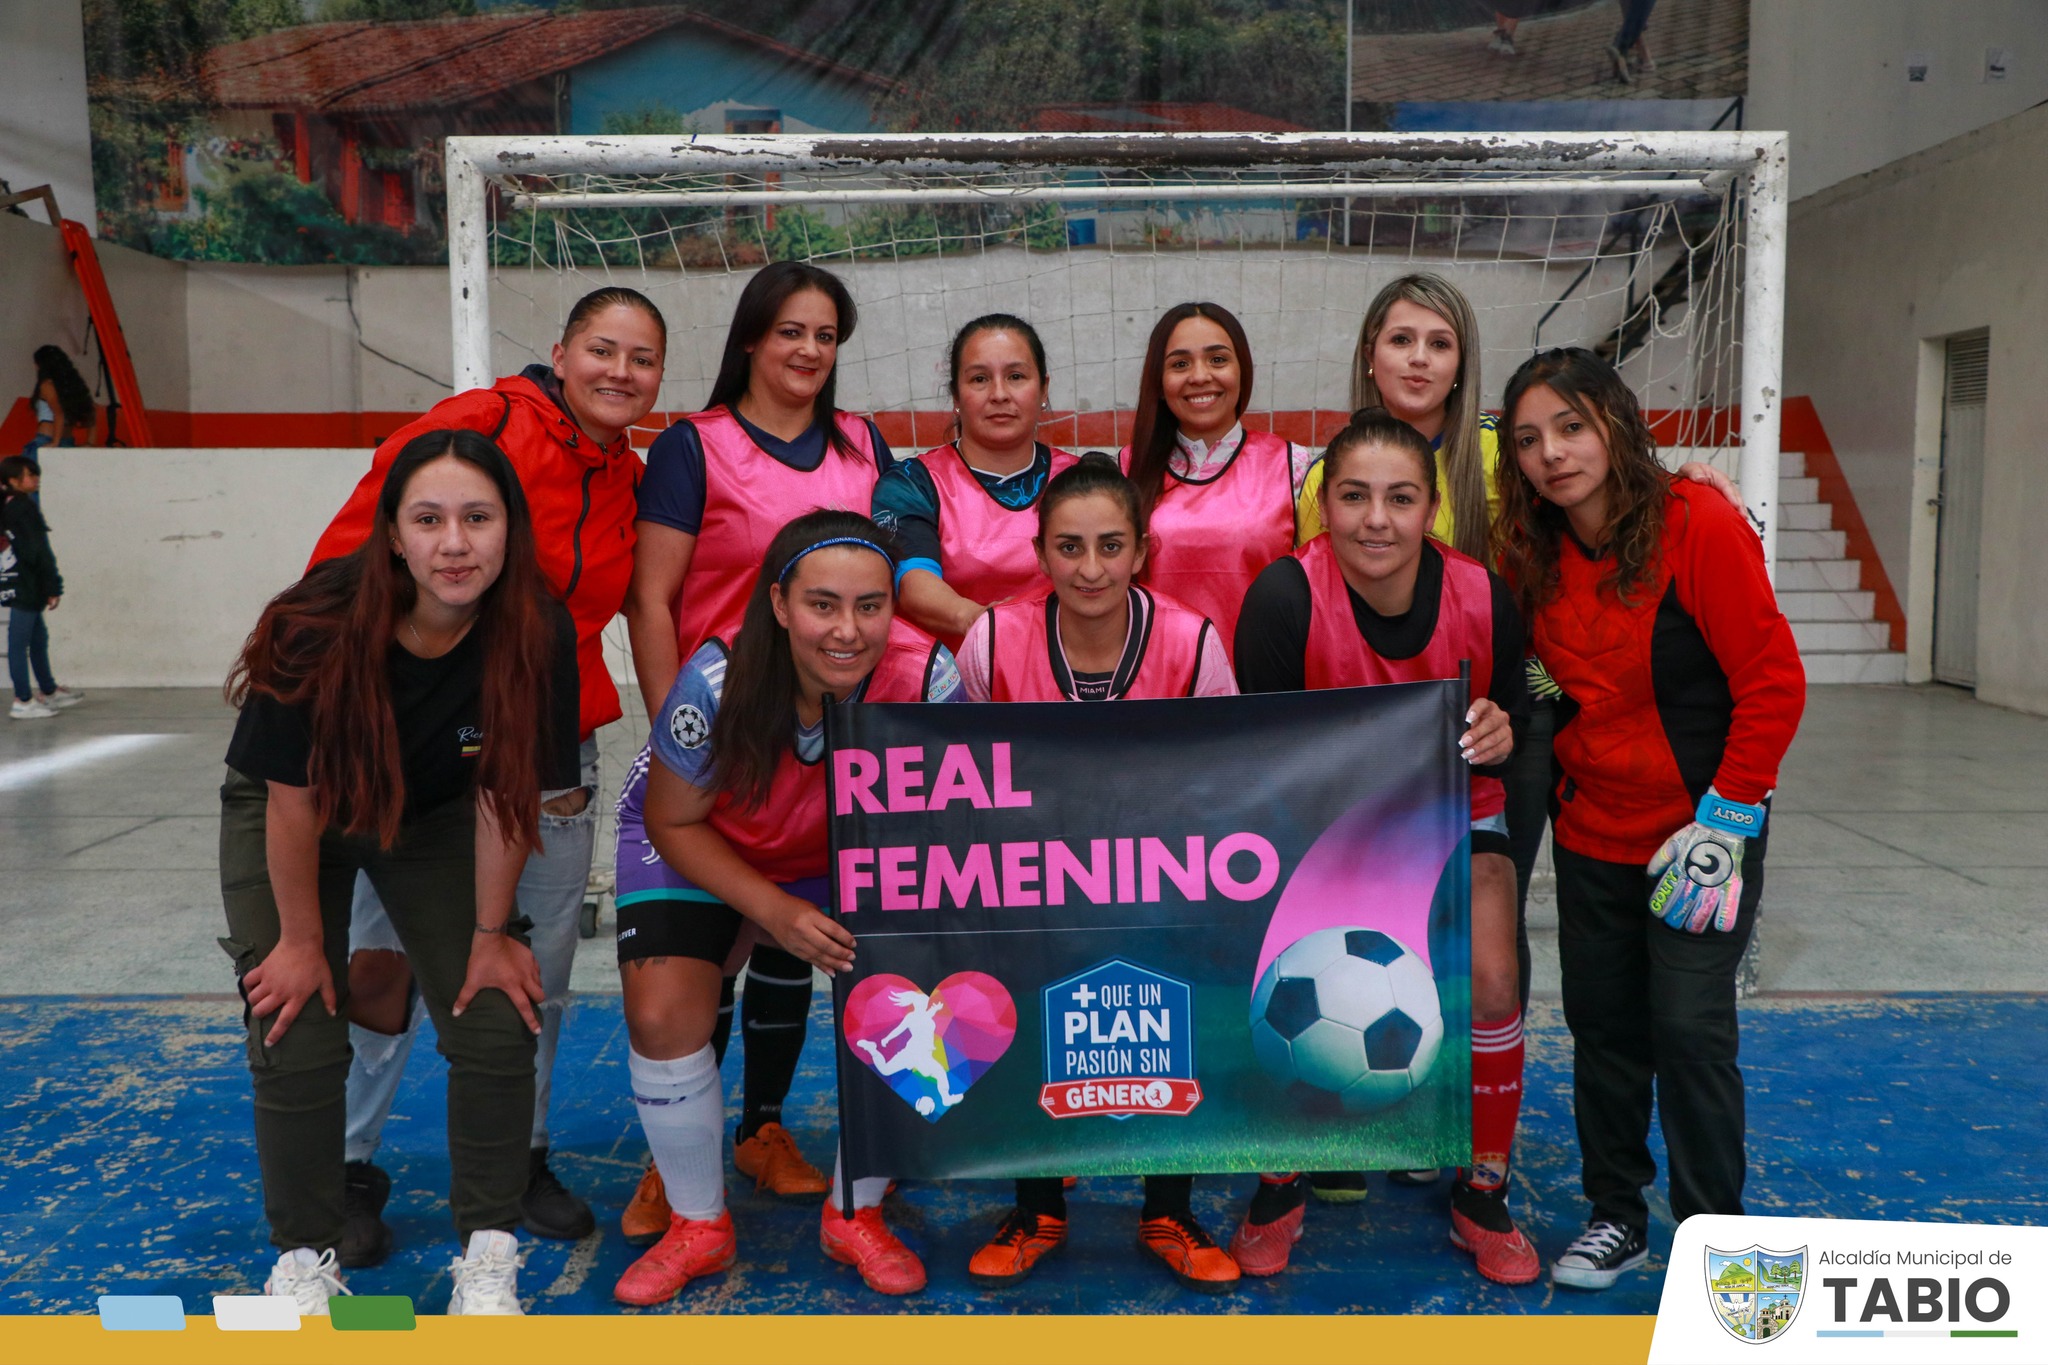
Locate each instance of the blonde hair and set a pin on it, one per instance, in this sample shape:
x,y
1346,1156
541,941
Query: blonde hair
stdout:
x,y
1461,466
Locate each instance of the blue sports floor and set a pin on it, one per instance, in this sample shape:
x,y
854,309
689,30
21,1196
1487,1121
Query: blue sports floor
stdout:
x,y
126,1166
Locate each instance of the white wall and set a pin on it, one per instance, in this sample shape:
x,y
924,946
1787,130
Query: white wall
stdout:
x,y
169,555
1833,74
270,338
1947,241
43,137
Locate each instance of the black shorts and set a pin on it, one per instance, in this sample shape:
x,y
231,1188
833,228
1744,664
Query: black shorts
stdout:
x,y
1489,841
705,930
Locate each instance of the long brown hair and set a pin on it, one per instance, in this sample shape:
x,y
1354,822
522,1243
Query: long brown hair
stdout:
x,y
1153,432
324,644
760,302
1528,532
1463,467
756,720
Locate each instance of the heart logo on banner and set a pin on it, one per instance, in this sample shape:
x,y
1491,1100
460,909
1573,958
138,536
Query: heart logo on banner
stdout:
x,y
930,1048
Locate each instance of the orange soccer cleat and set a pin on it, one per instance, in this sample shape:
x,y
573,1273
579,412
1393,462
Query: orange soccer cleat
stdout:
x,y
772,1158
1015,1251
647,1214
692,1248
1481,1224
1263,1248
1190,1253
865,1243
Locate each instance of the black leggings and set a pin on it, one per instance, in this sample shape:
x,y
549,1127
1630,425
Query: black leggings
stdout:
x,y
1530,781
1652,1015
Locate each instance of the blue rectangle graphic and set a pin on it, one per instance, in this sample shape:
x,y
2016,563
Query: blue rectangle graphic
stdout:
x,y
142,1313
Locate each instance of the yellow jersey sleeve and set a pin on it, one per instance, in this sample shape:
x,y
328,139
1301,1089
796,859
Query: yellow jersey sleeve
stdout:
x,y
1308,508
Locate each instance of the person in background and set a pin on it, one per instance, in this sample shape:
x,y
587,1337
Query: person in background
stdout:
x,y
63,404
37,588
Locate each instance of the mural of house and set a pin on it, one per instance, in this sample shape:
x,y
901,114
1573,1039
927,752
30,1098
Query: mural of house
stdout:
x,y
1166,223
360,108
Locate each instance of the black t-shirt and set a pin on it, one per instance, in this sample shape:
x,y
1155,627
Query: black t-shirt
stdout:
x,y
1272,635
439,707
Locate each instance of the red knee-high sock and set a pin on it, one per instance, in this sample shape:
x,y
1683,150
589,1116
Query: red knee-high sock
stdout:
x,y
1496,1097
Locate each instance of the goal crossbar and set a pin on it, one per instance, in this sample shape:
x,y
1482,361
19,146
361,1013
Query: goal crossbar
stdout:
x,y
1083,194
757,170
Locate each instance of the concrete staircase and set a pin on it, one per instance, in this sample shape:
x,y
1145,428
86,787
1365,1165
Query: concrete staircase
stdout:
x,y
1840,639
1833,618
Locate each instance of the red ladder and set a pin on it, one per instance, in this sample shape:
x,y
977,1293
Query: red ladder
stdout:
x,y
113,344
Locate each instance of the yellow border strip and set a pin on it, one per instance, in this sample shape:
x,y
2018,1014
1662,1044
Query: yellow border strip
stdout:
x,y
876,1340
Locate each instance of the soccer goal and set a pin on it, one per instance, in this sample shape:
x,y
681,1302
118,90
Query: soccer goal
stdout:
x,y
1663,251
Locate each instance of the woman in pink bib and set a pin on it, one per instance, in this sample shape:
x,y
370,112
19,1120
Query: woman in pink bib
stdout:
x,y
1097,636
1376,600
732,840
962,512
770,444
1221,499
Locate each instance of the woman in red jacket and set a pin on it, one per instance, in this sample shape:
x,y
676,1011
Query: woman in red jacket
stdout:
x,y
1650,605
564,428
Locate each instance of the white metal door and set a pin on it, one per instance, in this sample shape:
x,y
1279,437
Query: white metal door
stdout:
x,y
1962,510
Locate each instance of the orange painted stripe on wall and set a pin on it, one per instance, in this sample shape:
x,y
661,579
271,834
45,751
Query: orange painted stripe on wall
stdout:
x,y
904,430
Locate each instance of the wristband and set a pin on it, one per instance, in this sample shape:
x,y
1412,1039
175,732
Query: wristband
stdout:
x,y
1730,817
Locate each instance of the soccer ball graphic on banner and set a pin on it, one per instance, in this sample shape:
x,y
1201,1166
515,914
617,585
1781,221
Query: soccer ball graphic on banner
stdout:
x,y
1349,1014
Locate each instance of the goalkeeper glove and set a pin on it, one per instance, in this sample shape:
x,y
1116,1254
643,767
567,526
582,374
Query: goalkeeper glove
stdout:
x,y
1699,869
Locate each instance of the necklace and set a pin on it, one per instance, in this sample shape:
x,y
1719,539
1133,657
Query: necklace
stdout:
x,y
428,652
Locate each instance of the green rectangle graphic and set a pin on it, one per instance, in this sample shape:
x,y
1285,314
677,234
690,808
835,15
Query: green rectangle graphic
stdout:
x,y
371,1313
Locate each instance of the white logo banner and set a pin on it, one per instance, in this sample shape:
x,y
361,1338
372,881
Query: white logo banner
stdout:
x,y
1826,1289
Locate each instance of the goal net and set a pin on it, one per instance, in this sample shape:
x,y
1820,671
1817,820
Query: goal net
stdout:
x,y
1663,251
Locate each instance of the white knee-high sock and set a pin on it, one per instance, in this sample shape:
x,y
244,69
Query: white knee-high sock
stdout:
x,y
682,1111
867,1191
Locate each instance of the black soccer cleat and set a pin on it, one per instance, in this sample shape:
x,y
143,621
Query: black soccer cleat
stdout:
x,y
548,1208
365,1237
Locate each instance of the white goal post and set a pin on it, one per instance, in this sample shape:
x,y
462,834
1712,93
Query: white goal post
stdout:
x,y
674,206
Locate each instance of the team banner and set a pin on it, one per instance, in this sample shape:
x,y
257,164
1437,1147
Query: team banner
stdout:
x,y
1220,934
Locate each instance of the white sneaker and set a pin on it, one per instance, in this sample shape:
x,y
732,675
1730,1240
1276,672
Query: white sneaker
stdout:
x,y
309,1278
487,1277
32,710
61,698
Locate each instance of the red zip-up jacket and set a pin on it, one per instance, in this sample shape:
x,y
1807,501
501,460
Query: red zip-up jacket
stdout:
x,y
1694,681
582,498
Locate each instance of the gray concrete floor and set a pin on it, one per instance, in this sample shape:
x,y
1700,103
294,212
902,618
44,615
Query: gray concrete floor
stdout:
x,y
1909,852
